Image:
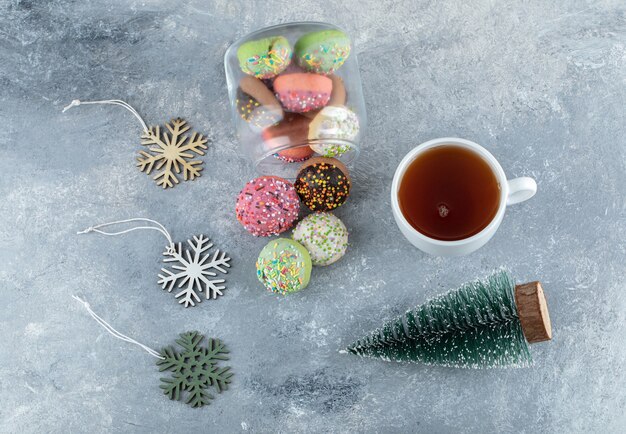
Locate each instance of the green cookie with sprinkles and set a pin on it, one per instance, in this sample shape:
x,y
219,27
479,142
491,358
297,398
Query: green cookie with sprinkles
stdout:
x,y
322,52
265,58
284,266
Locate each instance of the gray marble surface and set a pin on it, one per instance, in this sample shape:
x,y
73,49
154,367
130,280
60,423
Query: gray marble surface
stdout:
x,y
540,84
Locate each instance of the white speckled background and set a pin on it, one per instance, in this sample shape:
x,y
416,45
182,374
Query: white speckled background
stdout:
x,y
542,85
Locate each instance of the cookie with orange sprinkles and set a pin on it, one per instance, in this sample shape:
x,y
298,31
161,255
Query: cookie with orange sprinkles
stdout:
x,y
284,266
323,184
256,114
256,104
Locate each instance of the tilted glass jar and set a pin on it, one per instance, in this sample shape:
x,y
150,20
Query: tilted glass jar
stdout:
x,y
295,93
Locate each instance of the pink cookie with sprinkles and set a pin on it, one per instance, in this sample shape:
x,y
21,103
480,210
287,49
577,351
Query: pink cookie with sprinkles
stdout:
x,y
267,205
303,92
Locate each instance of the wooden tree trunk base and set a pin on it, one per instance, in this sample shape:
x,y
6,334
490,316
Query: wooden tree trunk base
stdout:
x,y
533,312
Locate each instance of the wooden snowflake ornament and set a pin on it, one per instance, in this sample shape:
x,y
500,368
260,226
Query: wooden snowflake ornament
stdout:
x,y
170,154
194,270
194,369
191,271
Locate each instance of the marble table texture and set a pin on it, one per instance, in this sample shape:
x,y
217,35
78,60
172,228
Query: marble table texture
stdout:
x,y
542,85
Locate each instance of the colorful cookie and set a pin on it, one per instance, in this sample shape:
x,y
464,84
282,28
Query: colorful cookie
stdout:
x,y
284,266
338,96
257,104
258,90
333,123
324,236
264,58
303,92
323,184
292,130
256,114
267,205
322,52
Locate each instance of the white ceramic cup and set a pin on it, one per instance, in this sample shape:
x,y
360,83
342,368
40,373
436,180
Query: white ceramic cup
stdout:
x,y
511,192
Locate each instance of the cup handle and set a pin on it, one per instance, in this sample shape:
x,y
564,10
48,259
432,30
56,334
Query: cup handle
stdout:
x,y
520,189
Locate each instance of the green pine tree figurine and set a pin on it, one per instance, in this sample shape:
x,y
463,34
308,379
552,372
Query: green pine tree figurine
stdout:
x,y
483,324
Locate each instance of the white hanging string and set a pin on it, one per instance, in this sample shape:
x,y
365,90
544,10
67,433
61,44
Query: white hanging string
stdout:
x,y
119,102
159,228
114,332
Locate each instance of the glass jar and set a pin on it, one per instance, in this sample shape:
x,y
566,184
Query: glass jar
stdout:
x,y
295,93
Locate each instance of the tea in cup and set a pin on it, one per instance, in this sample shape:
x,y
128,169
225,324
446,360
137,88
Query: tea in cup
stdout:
x,y
448,196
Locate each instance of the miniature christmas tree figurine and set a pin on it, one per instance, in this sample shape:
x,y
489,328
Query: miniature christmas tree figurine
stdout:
x,y
483,324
